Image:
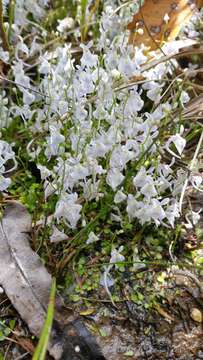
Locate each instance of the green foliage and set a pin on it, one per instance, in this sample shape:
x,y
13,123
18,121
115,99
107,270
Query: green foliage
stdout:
x,y
31,196
6,328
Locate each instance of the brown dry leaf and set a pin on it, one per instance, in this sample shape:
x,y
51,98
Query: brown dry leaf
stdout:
x,y
156,30
192,110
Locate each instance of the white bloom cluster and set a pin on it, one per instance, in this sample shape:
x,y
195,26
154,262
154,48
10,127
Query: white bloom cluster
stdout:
x,y
5,118
99,136
7,164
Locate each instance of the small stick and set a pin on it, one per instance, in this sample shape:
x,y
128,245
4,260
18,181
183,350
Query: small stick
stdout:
x,y
3,36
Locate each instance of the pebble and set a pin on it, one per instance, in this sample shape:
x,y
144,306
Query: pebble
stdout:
x,y
196,315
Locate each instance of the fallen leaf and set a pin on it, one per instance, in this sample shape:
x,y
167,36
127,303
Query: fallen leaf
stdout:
x,y
87,312
193,109
23,277
158,21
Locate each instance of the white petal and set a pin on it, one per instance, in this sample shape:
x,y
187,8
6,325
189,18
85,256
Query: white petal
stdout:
x,y
114,178
179,143
58,235
92,238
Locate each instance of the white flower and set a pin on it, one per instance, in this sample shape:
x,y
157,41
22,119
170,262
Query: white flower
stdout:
x,y
6,153
196,181
192,218
149,189
156,211
71,173
91,189
116,256
20,77
115,74
45,173
21,46
140,179
145,211
132,206
65,24
154,94
58,235
106,280
120,157
133,104
184,97
119,197
172,212
68,209
179,143
4,55
145,183
88,59
102,144
49,189
114,178
45,66
53,142
196,216
4,183
127,67
28,97
92,238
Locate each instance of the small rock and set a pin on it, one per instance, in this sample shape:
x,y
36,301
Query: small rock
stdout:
x,y
196,315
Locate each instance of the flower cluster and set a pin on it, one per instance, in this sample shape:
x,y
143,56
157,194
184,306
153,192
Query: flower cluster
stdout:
x,y
100,127
7,164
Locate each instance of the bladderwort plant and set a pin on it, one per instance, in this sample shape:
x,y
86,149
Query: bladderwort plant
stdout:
x,y
99,137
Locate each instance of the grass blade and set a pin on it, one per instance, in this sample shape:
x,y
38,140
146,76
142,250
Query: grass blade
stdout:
x,y
41,348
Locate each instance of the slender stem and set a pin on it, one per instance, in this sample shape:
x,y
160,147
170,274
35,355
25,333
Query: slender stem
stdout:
x,y
11,11
191,168
3,35
93,10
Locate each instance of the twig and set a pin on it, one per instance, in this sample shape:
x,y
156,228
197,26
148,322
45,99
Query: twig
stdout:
x,y
5,44
22,356
23,86
120,7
